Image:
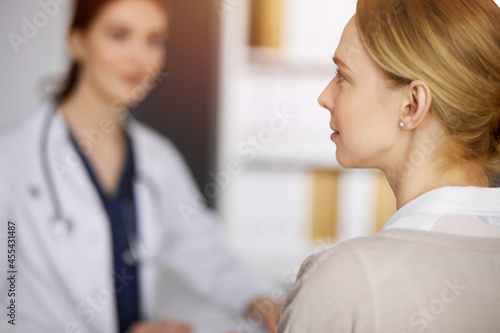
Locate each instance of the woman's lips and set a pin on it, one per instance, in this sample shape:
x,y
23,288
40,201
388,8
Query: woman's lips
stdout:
x,y
334,134
133,79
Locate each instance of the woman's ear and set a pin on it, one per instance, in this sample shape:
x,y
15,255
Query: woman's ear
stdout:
x,y
76,45
417,104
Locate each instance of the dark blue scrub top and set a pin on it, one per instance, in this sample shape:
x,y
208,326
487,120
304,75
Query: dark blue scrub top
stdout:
x,y
121,210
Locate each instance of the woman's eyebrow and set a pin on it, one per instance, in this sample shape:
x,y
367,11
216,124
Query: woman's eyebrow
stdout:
x,y
114,23
341,63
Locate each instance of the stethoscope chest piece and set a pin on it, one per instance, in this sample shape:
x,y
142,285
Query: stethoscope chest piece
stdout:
x,y
61,228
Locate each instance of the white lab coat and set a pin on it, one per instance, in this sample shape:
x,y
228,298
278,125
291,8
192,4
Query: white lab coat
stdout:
x,y
66,285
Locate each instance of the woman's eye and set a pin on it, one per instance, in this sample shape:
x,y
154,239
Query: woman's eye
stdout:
x,y
118,35
339,75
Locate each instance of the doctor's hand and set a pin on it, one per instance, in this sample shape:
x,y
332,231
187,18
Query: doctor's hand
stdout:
x,y
162,326
267,312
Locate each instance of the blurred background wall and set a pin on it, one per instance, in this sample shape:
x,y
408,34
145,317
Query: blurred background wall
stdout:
x,y
23,68
287,197
184,106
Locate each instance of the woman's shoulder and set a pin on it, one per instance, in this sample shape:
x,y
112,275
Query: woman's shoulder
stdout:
x,y
384,253
337,287
21,139
376,252
148,139
358,282
331,290
356,251
27,125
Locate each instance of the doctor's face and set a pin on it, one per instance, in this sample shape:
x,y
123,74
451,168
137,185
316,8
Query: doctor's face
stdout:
x,y
123,50
364,110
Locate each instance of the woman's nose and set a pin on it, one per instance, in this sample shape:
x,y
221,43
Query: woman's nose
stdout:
x,y
139,52
326,98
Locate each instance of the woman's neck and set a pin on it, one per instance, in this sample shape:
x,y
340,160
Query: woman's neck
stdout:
x,y
420,165
97,127
427,177
91,116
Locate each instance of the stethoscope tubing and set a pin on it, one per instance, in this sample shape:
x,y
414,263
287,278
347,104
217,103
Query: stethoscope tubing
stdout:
x,y
44,149
134,242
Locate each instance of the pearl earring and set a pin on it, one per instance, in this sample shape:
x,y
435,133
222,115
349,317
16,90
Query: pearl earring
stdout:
x,y
401,124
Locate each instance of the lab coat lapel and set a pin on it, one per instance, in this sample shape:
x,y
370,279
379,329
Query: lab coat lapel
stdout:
x,y
150,216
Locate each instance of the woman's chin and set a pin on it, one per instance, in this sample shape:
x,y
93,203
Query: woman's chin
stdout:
x,y
343,162
129,99
130,96
349,163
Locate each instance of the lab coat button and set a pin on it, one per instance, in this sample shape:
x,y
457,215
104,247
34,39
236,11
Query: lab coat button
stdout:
x,y
34,192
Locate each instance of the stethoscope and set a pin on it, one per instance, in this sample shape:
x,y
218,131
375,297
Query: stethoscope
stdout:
x,y
62,226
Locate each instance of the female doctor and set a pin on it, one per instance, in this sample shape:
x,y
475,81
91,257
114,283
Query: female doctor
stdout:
x,y
100,202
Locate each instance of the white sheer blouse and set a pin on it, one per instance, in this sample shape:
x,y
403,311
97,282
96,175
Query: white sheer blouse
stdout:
x,y
467,211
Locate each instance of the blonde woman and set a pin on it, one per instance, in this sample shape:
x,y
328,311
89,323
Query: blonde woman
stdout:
x,y
417,95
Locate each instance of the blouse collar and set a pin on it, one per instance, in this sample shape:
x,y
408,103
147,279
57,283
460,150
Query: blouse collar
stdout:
x,y
423,212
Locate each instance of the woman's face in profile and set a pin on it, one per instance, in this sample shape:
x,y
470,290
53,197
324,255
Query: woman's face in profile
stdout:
x,y
123,49
364,110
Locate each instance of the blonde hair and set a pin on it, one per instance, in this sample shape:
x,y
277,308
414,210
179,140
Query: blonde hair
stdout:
x,y
453,46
